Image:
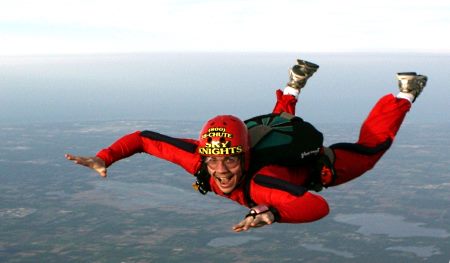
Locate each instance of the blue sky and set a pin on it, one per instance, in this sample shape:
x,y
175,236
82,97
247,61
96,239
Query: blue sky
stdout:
x,y
109,26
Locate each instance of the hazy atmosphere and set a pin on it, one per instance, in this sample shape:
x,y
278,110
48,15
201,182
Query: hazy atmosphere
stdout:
x,y
105,26
196,86
77,75
210,57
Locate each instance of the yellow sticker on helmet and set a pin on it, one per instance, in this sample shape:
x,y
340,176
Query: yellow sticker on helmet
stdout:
x,y
218,147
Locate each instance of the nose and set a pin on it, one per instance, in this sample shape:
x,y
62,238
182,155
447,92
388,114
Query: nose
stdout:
x,y
221,167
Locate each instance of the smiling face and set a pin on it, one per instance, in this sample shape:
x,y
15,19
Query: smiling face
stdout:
x,y
224,145
226,172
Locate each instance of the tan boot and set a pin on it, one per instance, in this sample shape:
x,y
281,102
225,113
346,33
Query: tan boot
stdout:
x,y
410,82
300,73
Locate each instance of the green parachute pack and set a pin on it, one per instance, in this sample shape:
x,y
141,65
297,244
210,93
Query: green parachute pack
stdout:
x,y
283,139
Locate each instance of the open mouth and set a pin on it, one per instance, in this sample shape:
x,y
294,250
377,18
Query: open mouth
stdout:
x,y
224,181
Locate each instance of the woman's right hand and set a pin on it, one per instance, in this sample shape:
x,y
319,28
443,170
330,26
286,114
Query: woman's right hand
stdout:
x,y
93,162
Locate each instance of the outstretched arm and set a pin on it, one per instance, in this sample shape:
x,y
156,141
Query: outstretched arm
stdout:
x,y
306,208
280,206
292,202
179,151
122,148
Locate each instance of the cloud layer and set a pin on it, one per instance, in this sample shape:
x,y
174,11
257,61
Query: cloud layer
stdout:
x,y
48,27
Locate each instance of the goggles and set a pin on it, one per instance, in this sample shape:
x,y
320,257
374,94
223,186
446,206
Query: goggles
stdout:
x,y
229,162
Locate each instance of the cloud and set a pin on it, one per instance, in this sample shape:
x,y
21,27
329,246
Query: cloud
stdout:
x,y
201,25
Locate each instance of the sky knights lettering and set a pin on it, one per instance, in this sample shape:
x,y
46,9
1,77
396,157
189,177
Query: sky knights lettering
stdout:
x,y
220,151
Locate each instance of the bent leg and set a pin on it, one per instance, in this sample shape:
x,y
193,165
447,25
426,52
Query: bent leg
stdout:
x,y
377,131
285,103
298,76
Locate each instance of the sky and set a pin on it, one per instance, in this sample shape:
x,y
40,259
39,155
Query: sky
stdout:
x,y
29,27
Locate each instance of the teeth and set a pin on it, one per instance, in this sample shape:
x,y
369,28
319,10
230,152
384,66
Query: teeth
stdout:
x,y
228,178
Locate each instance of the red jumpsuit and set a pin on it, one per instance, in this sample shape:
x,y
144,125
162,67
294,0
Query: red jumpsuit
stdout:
x,y
276,186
